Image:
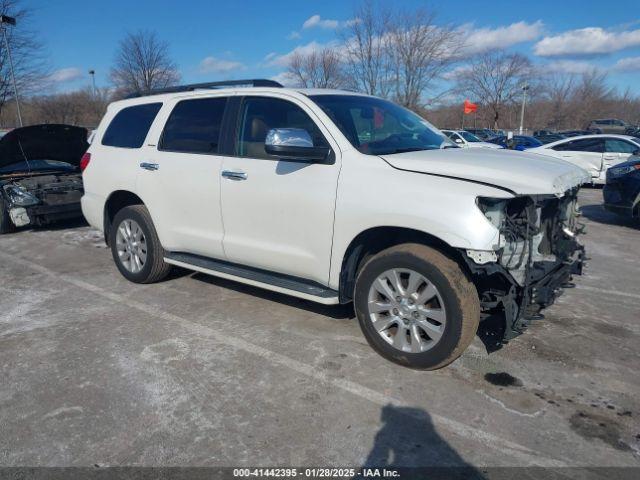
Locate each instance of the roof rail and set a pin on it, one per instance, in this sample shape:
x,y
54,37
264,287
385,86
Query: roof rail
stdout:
x,y
256,82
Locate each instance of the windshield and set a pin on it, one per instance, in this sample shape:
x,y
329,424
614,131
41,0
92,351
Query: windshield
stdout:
x,y
469,137
35,165
378,127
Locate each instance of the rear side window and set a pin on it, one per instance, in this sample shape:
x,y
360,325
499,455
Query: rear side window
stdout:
x,y
194,126
615,145
130,126
595,145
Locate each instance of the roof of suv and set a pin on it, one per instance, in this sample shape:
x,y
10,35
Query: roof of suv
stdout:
x,y
159,97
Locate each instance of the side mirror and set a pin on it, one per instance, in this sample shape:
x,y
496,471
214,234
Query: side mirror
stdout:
x,y
458,140
293,144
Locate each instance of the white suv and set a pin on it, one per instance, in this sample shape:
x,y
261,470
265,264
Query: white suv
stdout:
x,y
334,197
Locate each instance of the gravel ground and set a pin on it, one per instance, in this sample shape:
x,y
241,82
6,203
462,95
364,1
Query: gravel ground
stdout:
x,y
201,371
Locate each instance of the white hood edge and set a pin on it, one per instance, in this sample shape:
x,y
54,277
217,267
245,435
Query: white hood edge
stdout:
x,y
522,173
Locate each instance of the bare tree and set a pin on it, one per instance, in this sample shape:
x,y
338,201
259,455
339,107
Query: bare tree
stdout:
x,y
364,50
318,69
419,52
558,92
143,64
592,96
26,51
496,79
82,107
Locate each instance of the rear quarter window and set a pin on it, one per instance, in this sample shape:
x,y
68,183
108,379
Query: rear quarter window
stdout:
x,y
130,126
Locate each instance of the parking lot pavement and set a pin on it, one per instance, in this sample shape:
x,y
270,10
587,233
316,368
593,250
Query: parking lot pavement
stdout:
x,y
201,371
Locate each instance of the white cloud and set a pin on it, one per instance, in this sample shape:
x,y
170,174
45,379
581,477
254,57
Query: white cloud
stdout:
x,y
587,41
293,35
218,65
456,72
483,39
65,75
629,64
568,66
285,78
318,21
275,60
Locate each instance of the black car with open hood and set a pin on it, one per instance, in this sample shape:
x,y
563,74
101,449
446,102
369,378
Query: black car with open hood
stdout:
x,y
40,178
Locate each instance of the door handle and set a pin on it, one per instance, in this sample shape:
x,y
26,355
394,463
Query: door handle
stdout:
x,y
231,175
149,166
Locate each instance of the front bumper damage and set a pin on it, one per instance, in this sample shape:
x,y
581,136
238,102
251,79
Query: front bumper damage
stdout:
x,y
55,197
538,257
44,214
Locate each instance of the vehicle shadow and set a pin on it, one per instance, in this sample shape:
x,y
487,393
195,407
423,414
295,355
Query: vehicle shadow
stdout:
x,y
597,213
490,330
408,440
338,312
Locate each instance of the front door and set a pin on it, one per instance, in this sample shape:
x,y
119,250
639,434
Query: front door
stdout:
x,y
278,214
617,150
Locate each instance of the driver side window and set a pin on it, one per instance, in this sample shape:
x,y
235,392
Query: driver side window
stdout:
x,y
261,114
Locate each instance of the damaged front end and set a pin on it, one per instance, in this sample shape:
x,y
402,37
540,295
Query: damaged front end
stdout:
x,y
41,199
535,258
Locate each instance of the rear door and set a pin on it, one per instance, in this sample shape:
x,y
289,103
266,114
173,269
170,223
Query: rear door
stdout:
x,y
585,153
617,150
278,214
179,176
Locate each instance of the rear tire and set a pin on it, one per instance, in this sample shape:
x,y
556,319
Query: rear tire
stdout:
x,y
6,225
433,315
135,246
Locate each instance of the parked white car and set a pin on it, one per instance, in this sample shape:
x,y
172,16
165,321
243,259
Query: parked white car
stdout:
x,y
334,197
594,153
465,139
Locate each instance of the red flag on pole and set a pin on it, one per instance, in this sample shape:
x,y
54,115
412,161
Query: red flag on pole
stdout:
x,y
469,107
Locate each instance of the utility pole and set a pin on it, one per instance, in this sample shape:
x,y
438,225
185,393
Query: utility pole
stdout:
x,y
92,72
11,21
525,87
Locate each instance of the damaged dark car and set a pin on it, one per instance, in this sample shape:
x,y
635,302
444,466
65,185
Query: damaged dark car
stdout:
x,y
40,175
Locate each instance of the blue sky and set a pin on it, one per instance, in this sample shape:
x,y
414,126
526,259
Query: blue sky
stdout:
x,y
213,40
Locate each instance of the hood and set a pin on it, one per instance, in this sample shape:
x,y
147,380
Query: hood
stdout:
x,y
64,143
519,172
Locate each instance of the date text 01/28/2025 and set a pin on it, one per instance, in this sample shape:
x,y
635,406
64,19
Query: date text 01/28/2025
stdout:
x,y
316,472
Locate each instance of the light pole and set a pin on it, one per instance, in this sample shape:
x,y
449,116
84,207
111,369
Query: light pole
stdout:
x,y
525,87
11,21
92,72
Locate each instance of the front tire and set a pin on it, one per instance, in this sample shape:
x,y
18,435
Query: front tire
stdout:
x,y
135,246
416,307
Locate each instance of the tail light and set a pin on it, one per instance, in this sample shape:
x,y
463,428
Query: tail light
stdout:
x,y
84,161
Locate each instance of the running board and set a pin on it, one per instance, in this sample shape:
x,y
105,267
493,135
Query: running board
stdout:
x,y
276,282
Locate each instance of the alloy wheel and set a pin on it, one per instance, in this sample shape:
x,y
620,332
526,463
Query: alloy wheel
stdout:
x,y
131,245
407,310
